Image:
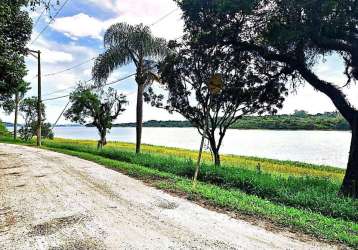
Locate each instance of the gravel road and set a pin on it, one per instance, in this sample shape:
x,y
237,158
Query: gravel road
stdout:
x,y
53,201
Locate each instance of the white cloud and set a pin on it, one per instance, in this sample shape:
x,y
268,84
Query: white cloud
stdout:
x,y
53,56
103,4
130,11
80,25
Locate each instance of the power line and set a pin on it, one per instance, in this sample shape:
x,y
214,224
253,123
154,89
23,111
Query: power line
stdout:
x,y
48,24
55,98
119,80
71,68
63,90
163,17
39,17
107,84
63,111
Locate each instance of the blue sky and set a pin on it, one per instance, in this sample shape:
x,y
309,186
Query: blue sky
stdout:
x,y
76,36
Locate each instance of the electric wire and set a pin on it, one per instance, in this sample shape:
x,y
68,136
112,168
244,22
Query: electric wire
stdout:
x,y
48,24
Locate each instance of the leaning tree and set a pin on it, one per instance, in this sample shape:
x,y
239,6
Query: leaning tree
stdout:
x,y
126,44
213,91
95,107
296,35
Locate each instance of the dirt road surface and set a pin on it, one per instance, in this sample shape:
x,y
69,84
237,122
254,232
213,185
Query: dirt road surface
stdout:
x,y
53,201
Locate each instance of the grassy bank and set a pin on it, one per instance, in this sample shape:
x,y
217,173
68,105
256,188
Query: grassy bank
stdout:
x,y
306,192
298,199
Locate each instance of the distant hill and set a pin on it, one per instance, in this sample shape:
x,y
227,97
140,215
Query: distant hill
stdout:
x,y
155,123
9,124
300,120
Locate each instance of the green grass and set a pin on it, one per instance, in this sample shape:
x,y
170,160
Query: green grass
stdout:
x,y
305,203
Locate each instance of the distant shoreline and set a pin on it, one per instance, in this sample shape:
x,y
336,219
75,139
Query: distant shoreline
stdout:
x,y
330,121
300,120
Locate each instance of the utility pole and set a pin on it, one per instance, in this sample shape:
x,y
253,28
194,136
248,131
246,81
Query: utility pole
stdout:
x,y
39,118
16,113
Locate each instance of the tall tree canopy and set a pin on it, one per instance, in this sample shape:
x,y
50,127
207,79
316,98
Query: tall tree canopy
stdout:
x,y
15,32
213,90
95,107
295,35
126,44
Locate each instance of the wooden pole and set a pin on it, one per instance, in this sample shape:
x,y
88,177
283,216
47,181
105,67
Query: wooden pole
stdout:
x,y
39,118
206,125
16,113
199,161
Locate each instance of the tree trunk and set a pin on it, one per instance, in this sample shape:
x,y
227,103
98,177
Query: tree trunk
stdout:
x,y
139,124
102,142
214,150
16,114
216,158
350,182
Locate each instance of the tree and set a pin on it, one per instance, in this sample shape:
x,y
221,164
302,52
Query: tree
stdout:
x,y
15,32
296,35
10,104
126,44
212,91
28,110
97,107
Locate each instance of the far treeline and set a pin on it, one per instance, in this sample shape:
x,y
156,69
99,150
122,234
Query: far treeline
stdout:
x,y
300,120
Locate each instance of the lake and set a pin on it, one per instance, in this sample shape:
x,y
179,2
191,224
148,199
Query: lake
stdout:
x,y
317,147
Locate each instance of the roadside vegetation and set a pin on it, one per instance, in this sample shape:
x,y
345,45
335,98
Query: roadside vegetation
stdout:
x,y
304,202
239,187
307,192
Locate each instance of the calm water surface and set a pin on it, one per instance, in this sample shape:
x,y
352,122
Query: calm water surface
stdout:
x,y
317,147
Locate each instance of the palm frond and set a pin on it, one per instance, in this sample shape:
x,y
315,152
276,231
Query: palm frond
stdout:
x,y
107,62
127,43
117,35
155,48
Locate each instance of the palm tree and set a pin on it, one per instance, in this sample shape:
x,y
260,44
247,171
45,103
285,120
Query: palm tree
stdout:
x,y
125,44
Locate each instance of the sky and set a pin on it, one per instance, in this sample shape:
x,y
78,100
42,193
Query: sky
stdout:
x,y
76,36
